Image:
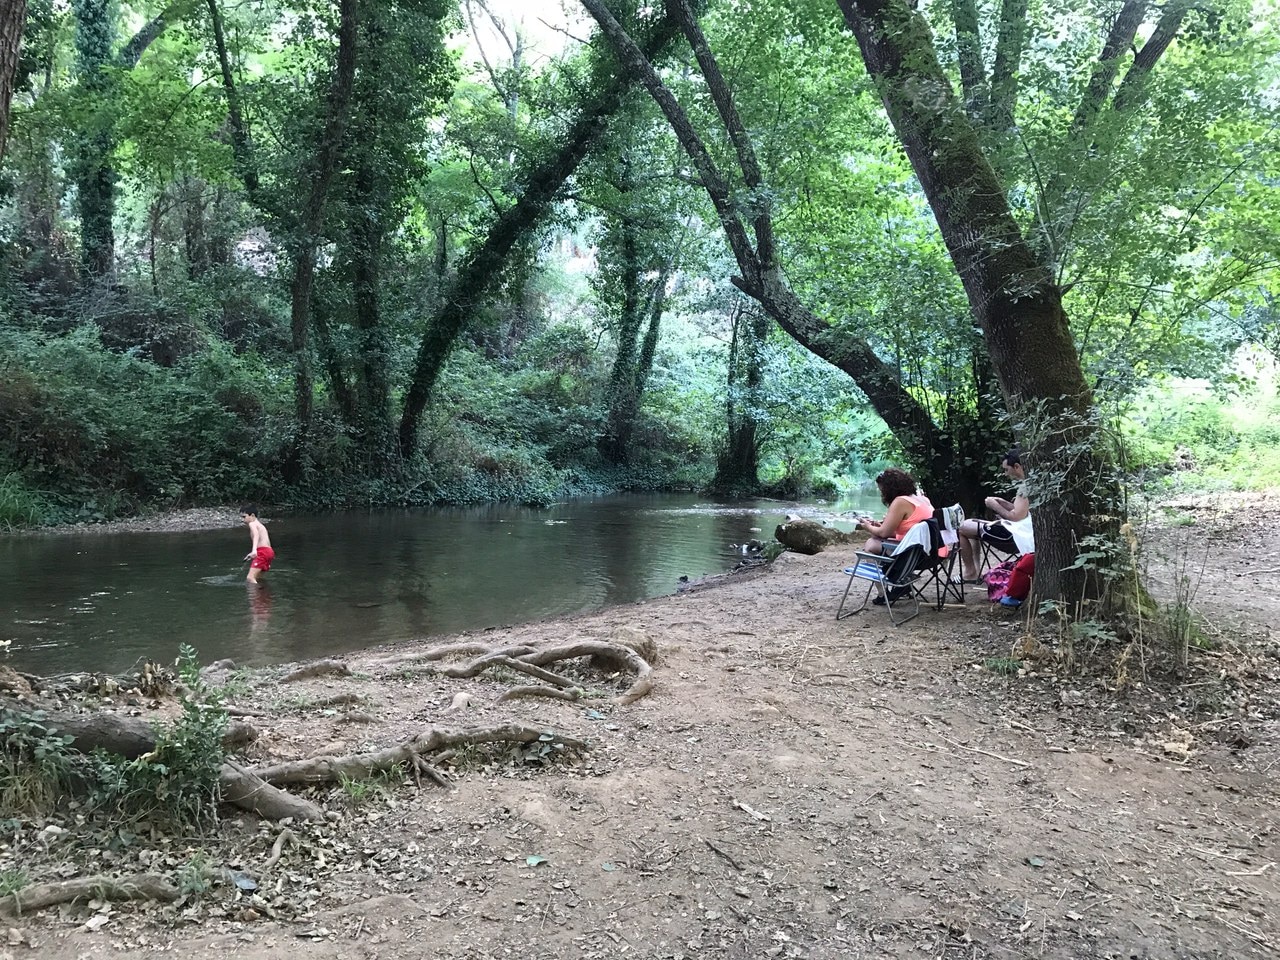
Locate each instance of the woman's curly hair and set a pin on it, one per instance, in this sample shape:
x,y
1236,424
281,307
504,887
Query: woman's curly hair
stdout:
x,y
894,483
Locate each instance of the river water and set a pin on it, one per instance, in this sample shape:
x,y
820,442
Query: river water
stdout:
x,y
346,581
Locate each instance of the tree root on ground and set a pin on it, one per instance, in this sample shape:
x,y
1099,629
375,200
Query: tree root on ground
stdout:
x,y
140,886
320,668
130,737
532,661
277,848
411,753
548,693
247,790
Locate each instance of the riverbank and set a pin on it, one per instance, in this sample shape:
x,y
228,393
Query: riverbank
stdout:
x,y
794,787
169,521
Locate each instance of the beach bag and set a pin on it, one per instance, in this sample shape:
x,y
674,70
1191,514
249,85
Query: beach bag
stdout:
x,y
997,579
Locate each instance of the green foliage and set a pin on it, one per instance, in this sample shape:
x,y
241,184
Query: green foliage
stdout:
x,y
194,876
177,783
361,791
12,881
1004,666
100,433
20,506
36,771
1187,435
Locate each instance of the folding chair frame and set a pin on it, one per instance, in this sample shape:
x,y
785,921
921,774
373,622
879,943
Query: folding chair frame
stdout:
x,y
942,574
869,564
947,584
988,550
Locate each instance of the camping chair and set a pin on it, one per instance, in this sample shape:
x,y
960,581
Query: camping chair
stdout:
x,y
893,573
940,568
991,553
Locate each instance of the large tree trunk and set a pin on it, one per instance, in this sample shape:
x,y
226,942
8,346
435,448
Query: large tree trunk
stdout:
x,y
368,235
1011,293
241,145
738,466
620,392
13,17
319,175
480,271
94,175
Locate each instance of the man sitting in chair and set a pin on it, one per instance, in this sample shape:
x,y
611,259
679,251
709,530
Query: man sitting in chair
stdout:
x,y
1010,534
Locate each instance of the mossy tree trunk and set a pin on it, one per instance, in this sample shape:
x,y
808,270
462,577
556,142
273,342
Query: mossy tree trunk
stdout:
x,y
738,466
481,270
1011,292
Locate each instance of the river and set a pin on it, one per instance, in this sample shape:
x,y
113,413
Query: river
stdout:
x,y
346,581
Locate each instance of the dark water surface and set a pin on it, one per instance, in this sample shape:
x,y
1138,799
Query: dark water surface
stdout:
x,y
346,581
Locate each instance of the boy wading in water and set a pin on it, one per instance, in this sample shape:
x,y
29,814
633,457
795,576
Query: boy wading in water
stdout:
x,y
261,553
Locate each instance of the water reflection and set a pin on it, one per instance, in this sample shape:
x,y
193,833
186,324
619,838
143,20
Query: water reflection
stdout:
x,y
347,581
259,605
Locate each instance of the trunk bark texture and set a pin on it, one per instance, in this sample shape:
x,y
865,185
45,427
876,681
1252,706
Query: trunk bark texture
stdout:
x,y
1004,72
95,178
973,73
1011,293
13,18
312,223
480,271
621,390
738,467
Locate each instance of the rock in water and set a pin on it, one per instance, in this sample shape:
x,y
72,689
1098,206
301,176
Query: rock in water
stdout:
x,y
808,536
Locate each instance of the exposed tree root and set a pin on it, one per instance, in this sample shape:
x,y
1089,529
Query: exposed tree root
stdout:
x,y
640,687
277,848
249,791
411,753
337,700
320,668
547,693
130,737
141,886
532,661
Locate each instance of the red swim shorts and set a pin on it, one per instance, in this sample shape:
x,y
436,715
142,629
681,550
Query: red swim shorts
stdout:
x,y
262,559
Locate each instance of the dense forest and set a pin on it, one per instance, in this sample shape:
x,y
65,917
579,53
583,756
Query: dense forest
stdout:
x,y
416,251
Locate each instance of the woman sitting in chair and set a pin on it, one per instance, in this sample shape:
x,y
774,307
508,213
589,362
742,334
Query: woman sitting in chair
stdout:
x,y
906,509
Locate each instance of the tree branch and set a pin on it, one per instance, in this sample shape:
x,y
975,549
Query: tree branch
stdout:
x,y
1170,22
1004,74
723,98
1103,75
973,75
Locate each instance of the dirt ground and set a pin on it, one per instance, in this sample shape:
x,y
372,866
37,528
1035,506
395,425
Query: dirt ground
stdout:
x,y
794,787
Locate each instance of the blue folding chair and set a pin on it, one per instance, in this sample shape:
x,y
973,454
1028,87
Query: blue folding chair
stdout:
x,y
894,576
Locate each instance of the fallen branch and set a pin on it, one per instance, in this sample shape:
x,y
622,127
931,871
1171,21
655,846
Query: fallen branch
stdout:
x,y
531,661
337,700
410,753
141,886
130,737
469,648
547,693
986,753
729,859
